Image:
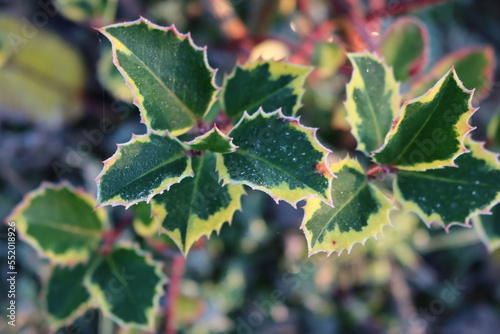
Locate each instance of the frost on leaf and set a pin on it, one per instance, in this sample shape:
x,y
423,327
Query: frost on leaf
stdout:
x,y
277,155
59,222
430,130
372,100
139,281
452,195
145,166
172,83
268,84
197,206
360,212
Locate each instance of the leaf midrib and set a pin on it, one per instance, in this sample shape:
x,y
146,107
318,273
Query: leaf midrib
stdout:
x,y
64,227
444,179
256,157
349,200
183,106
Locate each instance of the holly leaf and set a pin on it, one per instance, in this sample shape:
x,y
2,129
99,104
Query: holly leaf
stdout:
x,y
173,84
57,220
360,212
197,206
277,155
474,65
127,285
66,297
452,195
488,228
430,130
145,166
405,47
493,133
145,224
372,100
214,141
264,83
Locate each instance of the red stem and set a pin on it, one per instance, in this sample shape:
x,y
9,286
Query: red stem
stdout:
x,y
111,236
173,292
403,7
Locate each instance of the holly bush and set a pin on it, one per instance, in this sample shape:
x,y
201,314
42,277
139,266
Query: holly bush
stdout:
x,y
207,145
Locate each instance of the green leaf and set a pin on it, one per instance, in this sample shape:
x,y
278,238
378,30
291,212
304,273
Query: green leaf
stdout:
x,y
214,141
452,195
405,47
173,84
66,296
42,79
58,222
360,212
145,166
197,206
493,133
328,58
145,224
372,100
278,155
474,65
127,285
268,84
488,228
110,77
430,130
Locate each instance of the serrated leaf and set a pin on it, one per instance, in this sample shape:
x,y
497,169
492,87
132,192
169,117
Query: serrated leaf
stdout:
x,y
452,195
59,222
141,168
277,155
360,212
127,285
372,100
405,47
268,84
42,79
474,65
429,131
197,206
488,228
66,297
145,224
214,141
173,84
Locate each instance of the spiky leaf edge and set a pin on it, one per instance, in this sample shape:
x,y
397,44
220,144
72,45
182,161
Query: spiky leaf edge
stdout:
x,y
310,133
196,140
408,206
138,98
165,185
462,127
22,226
99,300
313,206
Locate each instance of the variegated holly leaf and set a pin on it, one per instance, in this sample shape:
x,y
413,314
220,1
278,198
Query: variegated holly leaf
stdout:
x,y
278,155
127,285
264,83
145,224
474,65
145,166
197,206
66,297
372,100
214,141
405,47
59,222
452,195
360,212
488,228
494,130
173,84
430,130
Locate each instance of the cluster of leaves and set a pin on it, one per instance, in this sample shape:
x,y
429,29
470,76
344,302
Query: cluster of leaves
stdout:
x,y
191,166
